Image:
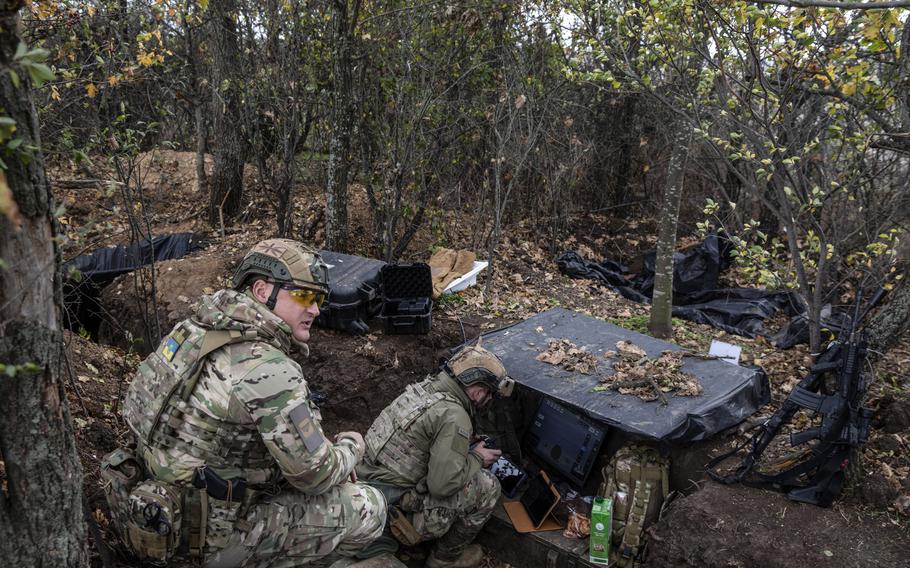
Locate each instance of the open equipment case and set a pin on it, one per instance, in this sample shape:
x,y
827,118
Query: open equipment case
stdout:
x,y
407,294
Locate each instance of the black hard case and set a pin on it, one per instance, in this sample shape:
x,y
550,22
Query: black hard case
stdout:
x,y
354,292
407,306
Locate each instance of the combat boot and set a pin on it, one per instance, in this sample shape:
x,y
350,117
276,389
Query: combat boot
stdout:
x,y
384,560
470,557
452,550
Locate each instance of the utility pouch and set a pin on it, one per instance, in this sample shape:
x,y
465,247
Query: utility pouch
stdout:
x,y
230,490
155,521
121,472
411,501
402,529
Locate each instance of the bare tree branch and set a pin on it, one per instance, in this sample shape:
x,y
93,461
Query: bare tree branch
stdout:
x,y
837,4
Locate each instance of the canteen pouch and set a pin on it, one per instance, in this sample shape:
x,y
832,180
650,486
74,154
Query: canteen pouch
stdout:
x,y
402,529
121,472
155,521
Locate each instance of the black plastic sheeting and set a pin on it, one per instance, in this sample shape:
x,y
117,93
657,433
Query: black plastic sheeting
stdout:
x,y
696,295
100,268
730,394
797,329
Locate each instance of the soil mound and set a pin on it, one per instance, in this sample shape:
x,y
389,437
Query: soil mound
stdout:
x,y
132,321
723,526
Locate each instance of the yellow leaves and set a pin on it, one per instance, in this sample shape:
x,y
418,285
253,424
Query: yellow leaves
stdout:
x,y
149,58
91,90
55,93
44,9
848,89
8,207
872,26
113,80
857,70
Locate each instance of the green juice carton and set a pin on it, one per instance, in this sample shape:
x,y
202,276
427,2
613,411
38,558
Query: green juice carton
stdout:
x,y
601,519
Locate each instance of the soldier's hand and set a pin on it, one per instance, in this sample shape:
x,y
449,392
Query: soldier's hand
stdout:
x,y
489,455
352,435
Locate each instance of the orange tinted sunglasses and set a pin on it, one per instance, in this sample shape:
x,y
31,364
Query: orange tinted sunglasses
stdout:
x,y
306,297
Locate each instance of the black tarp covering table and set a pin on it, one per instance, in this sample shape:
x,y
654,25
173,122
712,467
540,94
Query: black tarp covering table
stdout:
x,y
730,392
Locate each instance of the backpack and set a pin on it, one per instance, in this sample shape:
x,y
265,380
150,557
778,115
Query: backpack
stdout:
x,y
637,480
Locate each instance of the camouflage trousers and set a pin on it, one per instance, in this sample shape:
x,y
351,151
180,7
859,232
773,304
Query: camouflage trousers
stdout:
x,y
295,529
473,505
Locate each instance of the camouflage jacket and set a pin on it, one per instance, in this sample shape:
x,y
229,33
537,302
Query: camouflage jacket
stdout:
x,y
422,439
248,414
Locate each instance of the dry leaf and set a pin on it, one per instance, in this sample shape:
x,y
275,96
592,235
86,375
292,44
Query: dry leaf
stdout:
x,y
628,349
8,207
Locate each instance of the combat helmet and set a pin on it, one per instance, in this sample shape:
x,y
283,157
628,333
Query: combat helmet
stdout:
x,y
286,262
473,364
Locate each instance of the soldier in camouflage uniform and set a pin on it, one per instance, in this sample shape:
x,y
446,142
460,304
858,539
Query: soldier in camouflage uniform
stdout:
x,y
221,399
420,453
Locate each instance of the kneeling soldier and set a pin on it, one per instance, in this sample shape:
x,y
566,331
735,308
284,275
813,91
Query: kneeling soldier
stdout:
x,y
420,453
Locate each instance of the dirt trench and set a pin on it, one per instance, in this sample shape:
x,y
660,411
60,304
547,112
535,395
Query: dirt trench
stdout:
x,y
357,376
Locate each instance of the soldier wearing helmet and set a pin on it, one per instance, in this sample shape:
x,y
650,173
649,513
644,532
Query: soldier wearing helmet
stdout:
x,y
223,419
422,453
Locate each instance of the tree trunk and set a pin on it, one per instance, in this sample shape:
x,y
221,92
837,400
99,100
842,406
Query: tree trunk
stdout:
x,y
41,520
904,81
660,324
226,194
628,143
199,114
336,190
891,321
198,98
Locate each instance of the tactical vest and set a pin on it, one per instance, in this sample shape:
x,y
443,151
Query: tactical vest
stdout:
x,y
386,441
158,410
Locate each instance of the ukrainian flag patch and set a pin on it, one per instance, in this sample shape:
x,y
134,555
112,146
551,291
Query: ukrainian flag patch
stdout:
x,y
170,348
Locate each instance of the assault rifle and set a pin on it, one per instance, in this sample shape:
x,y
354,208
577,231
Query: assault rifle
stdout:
x,y
818,475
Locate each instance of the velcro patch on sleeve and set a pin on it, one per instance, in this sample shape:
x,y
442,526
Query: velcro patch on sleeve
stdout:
x,y
460,442
304,423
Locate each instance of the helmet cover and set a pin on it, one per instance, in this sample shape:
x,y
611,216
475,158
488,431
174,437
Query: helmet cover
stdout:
x,y
284,261
473,364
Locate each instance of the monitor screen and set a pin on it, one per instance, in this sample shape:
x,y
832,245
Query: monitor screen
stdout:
x,y
565,439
